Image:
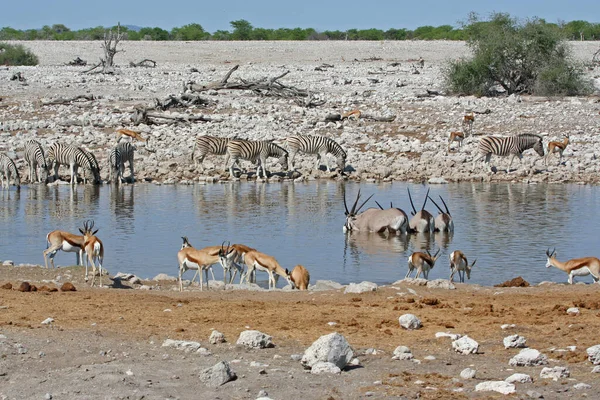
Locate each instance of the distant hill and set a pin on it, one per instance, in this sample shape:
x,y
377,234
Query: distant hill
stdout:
x,y
134,28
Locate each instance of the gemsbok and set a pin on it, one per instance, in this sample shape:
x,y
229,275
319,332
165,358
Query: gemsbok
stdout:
x,y
421,262
443,221
421,221
460,264
65,241
576,266
557,147
373,219
300,277
94,249
256,260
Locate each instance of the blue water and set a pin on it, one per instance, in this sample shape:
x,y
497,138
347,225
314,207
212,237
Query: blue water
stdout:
x,y
507,227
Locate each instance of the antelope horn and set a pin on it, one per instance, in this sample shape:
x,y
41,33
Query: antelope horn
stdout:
x,y
364,202
414,211
425,202
436,204
378,204
436,253
353,211
345,205
447,210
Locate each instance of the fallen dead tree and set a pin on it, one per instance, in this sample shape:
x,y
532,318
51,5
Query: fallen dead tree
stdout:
x,y
150,117
77,62
268,87
184,100
144,63
355,115
70,100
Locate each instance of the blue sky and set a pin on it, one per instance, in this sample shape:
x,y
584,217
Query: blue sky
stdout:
x,y
322,15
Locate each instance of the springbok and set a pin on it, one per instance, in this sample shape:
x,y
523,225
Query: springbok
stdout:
x,y
576,266
455,137
421,262
422,221
373,219
228,258
94,249
443,221
459,263
557,147
263,262
467,122
200,260
131,134
300,277
65,241
240,253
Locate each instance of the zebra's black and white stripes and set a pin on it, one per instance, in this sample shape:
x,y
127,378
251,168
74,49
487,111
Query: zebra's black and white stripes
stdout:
x,y
508,145
8,171
95,171
118,156
256,151
205,145
72,156
319,145
34,156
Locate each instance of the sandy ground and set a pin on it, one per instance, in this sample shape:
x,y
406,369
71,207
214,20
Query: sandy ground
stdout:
x,y
106,343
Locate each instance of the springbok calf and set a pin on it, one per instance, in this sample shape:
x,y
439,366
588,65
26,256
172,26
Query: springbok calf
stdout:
x,y
459,263
94,249
422,221
557,147
576,266
455,137
263,262
65,241
467,123
443,221
373,219
300,277
421,262
200,260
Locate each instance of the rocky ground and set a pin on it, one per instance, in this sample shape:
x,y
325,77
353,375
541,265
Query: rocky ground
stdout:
x,y
109,343
378,78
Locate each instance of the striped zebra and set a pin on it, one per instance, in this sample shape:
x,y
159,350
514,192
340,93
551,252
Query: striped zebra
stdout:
x,y
34,155
209,145
69,155
95,171
8,171
319,145
257,152
508,145
121,153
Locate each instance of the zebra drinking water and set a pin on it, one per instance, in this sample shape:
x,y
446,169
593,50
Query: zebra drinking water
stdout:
x,y
508,145
72,156
256,151
34,155
95,171
204,145
319,145
8,171
121,153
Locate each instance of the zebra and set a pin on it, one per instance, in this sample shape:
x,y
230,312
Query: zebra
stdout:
x,y
121,153
209,145
255,151
95,170
8,171
508,145
319,145
34,155
72,156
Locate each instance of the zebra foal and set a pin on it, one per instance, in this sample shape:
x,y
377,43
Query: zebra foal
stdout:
x,y
72,156
204,145
257,152
508,145
319,145
34,155
118,156
8,171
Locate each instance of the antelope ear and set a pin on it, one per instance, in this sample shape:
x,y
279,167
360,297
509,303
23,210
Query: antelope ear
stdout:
x,y
82,232
96,231
287,272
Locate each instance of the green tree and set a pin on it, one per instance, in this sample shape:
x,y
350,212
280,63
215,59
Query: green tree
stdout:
x,y
242,30
8,33
395,34
16,55
189,32
154,34
518,57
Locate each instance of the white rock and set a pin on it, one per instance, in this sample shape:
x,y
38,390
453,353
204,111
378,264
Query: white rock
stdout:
x,y
333,348
255,339
322,367
437,181
465,345
402,353
452,336
507,326
468,373
47,321
573,310
596,369
514,341
216,337
441,284
164,277
496,386
582,386
361,287
555,373
519,378
528,358
187,346
217,375
203,351
594,354
410,321
326,285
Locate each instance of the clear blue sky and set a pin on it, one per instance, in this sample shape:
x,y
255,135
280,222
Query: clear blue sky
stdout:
x,y
322,15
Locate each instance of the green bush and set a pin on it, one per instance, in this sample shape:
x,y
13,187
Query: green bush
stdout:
x,y
16,55
515,57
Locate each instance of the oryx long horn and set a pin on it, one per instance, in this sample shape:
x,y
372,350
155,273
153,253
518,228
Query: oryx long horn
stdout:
x,y
447,210
353,210
364,202
436,204
411,202
345,205
378,204
425,202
